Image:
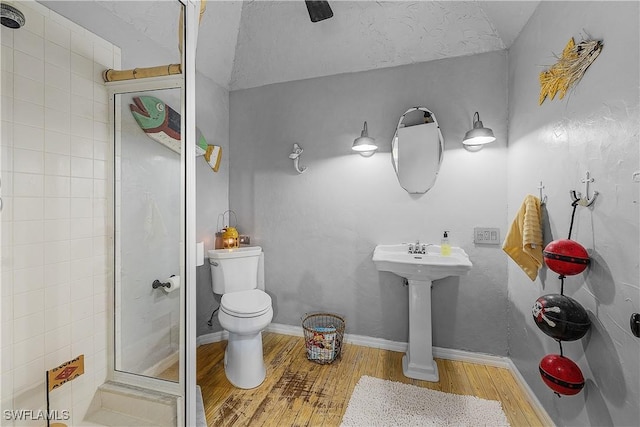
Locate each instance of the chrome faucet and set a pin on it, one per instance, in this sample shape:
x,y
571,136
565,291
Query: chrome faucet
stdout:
x,y
416,248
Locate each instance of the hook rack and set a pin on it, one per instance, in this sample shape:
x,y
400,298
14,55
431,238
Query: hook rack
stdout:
x,y
295,156
578,198
543,197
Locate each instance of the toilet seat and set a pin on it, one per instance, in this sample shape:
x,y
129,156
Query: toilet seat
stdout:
x,y
252,303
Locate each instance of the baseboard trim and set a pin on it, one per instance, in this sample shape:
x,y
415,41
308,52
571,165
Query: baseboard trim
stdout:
x,y
535,403
438,352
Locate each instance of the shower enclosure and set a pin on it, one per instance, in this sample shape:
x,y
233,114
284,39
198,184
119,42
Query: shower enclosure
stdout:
x,y
93,210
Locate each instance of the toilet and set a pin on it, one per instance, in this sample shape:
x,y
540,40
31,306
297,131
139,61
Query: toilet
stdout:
x,y
245,310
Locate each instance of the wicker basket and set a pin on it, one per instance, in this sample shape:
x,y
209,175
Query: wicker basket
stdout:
x,y
323,334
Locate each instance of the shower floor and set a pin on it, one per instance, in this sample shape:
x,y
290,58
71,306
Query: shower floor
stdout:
x,y
299,392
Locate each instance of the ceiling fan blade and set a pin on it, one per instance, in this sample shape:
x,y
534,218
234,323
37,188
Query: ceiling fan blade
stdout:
x,y
318,10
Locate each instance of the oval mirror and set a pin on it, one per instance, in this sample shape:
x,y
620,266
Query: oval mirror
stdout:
x,y
417,149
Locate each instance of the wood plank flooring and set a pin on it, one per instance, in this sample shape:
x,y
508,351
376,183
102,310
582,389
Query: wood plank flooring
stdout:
x,y
298,392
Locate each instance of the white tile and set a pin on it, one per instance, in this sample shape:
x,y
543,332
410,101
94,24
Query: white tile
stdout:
x,y
28,66
81,249
57,208
82,308
56,230
82,66
51,360
101,131
81,187
27,303
57,33
58,295
82,127
99,207
6,88
100,189
6,36
25,232
57,142
28,113
28,137
28,377
6,178
6,56
29,279
81,208
103,55
7,109
57,77
81,86
57,55
82,107
28,185
56,252
81,167
27,161
100,245
57,274
81,330
29,43
99,169
57,98
100,303
7,209
57,164
100,93
81,228
100,112
58,317
28,350
28,90
99,265
6,370
26,256
6,134
34,21
81,147
7,321
57,339
102,284
82,269
81,45
57,186
57,120
28,208
100,150
28,326
83,346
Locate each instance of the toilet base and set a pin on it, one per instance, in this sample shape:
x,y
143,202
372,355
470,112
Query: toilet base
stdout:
x,y
244,361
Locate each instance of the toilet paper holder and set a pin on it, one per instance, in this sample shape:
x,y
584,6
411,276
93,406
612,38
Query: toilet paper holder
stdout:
x,y
158,284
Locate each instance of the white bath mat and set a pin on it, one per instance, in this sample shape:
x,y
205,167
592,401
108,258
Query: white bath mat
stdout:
x,y
377,402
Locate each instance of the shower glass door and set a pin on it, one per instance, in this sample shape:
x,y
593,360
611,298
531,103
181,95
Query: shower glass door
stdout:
x,y
148,230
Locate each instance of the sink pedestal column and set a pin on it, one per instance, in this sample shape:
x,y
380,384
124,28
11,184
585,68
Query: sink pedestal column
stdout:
x,y
418,361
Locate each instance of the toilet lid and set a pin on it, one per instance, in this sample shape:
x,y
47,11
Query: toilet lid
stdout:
x,y
246,303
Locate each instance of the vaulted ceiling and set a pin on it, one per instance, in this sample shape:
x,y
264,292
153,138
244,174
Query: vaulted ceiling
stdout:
x,y
245,44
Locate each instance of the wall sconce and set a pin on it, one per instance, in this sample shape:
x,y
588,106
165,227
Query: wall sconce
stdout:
x,y
364,145
477,137
230,238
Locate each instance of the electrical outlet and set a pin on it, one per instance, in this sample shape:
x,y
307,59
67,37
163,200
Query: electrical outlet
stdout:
x,y
486,236
244,240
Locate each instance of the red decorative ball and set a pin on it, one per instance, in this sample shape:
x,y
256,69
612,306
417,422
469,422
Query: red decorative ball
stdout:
x,y
561,317
561,374
566,257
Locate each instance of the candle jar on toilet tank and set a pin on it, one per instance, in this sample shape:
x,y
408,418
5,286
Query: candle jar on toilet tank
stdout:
x,y
230,238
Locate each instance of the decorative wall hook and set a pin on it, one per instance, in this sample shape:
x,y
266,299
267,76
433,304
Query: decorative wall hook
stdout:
x,y
295,156
585,200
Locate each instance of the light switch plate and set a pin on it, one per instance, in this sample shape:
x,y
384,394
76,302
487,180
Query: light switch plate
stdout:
x,y
486,236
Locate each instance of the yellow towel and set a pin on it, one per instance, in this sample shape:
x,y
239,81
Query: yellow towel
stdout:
x,y
524,239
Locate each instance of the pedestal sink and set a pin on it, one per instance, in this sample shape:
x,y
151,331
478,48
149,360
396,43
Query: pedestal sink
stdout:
x,y
420,270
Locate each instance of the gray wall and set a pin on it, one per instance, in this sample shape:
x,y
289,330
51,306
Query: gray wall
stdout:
x,y
212,188
319,229
594,128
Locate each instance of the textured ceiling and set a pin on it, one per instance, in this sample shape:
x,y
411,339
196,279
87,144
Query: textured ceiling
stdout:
x,y
243,44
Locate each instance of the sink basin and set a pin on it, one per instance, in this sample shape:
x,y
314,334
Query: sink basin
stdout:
x,y
420,270
424,267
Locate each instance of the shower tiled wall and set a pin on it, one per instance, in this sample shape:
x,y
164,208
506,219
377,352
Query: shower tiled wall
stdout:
x,y
56,180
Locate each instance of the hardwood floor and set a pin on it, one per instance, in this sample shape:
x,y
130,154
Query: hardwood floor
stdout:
x,y
298,392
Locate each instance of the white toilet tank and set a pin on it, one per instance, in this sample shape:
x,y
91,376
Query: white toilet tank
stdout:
x,y
238,269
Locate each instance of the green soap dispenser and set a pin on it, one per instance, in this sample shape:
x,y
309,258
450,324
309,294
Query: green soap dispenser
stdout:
x,y
445,247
